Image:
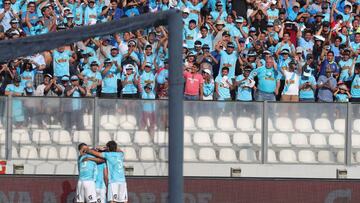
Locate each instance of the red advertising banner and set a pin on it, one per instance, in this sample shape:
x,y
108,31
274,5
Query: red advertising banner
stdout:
x,y
40,189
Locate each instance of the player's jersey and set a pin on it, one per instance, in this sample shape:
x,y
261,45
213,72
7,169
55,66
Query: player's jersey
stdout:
x,y
87,169
100,183
115,165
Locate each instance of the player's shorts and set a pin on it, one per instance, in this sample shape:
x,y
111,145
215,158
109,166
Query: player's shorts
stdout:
x,y
117,192
85,191
101,195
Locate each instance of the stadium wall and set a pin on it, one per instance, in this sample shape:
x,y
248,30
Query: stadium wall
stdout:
x,y
197,190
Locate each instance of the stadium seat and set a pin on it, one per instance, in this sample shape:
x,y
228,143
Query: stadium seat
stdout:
x,y
45,168
227,155
245,124
62,137
28,152
82,136
189,123
241,139
257,139
104,137
221,139
130,154
161,138
128,122
303,125
20,136
48,152
287,156
122,138
271,156
68,153
109,122
187,139
88,121
326,157
225,123
206,123
2,136
280,140
318,140
142,138
307,156
299,140
41,137
340,125
202,139
356,125
189,154
323,125
258,124
207,154
147,154
341,157
357,156
355,141
163,154
66,168
284,124
247,155
14,152
337,140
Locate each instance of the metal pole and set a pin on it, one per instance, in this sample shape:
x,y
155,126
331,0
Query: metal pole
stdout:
x,y
348,136
176,112
95,123
264,133
9,128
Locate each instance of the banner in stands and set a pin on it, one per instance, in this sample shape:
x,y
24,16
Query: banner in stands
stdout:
x,y
40,189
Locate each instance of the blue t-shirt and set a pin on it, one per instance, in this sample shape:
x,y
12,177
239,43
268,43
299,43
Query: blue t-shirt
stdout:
x,y
87,169
231,59
325,94
100,183
147,78
355,87
208,88
341,97
244,92
267,79
27,76
115,165
345,67
90,15
223,87
92,77
307,93
109,81
129,88
190,36
61,63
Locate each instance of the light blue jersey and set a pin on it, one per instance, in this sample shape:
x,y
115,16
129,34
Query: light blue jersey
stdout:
x,y
341,98
355,87
129,88
227,58
87,169
100,183
307,93
92,78
345,67
61,63
244,92
223,88
267,79
109,81
115,165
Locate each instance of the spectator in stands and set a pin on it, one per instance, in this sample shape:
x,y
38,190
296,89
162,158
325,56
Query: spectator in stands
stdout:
x,y
292,77
342,94
268,81
327,85
245,85
92,79
223,85
193,83
355,84
130,82
307,86
110,77
208,86
49,87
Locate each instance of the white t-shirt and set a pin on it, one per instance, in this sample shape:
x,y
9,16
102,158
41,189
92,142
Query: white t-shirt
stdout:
x,y
5,22
292,80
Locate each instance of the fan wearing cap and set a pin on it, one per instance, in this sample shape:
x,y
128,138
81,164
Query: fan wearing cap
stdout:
x,y
342,94
245,85
347,11
307,86
91,12
219,13
355,84
92,79
273,12
131,54
49,87
190,33
241,30
75,89
326,85
208,86
346,65
110,76
115,57
185,16
292,75
61,61
130,82
283,61
228,58
268,81
206,56
147,78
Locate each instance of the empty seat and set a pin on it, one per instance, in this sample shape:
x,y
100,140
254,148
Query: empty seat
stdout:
x,y
284,124
287,156
355,140
88,121
337,140
45,168
221,139
247,155
66,168
82,136
303,125
28,152
318,140
280,140
161,137
307,156
122,138
187,139
109,122
41,137
245,124
2,136
189,154
21,136
326,157
130,154
147,154
128,122
207,154
104,137
202,139
189,123
323,125
163,154
241,139
225,123
206,123
271,156
357,156
142,138
48,152
340,125
258,124
356,125
341,157
227,155
68,153
62,137
257,139
299,140
14,153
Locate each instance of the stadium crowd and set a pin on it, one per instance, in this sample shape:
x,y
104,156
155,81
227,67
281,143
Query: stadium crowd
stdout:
x,y
305,50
